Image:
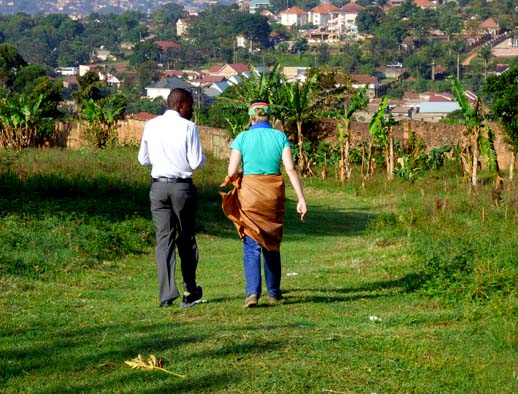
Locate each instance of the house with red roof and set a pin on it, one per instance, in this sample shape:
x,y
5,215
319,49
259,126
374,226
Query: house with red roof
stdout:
x,y
321,15
489,26
425,4
184,74
294,16
208,80
228,70
270,15
344,19
142,116
360,80
165,45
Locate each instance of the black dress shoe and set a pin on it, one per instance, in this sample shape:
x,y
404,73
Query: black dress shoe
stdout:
x,y
165,304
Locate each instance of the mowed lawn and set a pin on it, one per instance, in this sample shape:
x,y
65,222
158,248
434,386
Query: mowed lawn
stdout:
x,y
348,323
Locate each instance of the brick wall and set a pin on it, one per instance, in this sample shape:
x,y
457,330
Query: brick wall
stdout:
x,y
216,140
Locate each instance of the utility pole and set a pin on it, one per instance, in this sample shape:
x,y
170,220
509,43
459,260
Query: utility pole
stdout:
x,y
234,44
458,66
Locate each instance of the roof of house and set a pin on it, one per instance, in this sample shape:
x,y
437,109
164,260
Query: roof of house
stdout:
x,y
325,8
444,107
489,23
441,97
171,83
211,92
351,8
363,79
411,96
142,116
425,4
239,68
293,10
167,44
500,68
471,96
113,79
221,86
71,80
207,80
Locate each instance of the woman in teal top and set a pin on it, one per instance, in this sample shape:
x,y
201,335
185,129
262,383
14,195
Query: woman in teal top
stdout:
x,y
258,209
261,149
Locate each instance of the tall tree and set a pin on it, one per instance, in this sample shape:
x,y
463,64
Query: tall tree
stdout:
x,y
10,63
486,54
450,24
145,51
90,87
369,19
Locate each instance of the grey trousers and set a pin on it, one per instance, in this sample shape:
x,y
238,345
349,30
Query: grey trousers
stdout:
x,y
173,208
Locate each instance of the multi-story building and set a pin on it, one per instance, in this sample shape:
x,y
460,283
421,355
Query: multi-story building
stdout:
x,y
293,16
255,5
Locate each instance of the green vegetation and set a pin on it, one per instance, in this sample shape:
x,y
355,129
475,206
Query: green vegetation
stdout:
x,y
395,287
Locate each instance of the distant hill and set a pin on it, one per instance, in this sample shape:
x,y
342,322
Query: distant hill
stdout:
x,y
76,7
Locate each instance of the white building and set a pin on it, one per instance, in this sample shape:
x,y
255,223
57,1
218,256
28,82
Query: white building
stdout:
x,y
344,19
255,5
321,15
163,87
294,16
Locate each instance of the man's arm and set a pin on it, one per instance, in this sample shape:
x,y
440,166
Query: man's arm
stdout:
x,y
195,156
143,154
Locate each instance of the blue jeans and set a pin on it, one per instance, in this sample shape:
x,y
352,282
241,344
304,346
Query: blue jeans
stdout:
x,y
252,265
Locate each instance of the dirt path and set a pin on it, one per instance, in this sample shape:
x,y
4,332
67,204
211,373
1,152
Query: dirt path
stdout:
x,y
470,57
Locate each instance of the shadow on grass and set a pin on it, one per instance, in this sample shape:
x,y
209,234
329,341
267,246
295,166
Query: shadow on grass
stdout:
x,y
77,354
406,284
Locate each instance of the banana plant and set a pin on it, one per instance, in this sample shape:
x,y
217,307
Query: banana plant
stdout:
x,y
380,132
473,138
296,104
100,118
259,86
343,124
20,118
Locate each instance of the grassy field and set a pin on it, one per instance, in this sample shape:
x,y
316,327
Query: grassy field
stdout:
x,y
395,288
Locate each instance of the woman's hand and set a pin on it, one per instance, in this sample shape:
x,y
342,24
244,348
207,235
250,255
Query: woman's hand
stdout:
x,y
302,209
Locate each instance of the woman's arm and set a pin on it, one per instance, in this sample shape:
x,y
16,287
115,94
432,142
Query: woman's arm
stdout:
x,y
234,163
287,161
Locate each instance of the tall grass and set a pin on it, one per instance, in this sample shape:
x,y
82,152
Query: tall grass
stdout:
x,y
62,211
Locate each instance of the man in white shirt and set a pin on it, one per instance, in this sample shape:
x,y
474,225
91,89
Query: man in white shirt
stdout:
x,y
171,146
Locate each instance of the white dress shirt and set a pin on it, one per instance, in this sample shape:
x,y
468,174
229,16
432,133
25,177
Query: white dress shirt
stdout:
x,y
171,145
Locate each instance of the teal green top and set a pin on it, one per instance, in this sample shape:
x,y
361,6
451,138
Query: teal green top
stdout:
x,y
261,149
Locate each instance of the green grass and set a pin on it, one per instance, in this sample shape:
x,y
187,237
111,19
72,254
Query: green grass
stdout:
x,y
372,303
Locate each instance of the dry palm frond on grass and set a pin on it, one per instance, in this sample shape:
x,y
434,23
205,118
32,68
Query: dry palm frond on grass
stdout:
x,y
152,363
